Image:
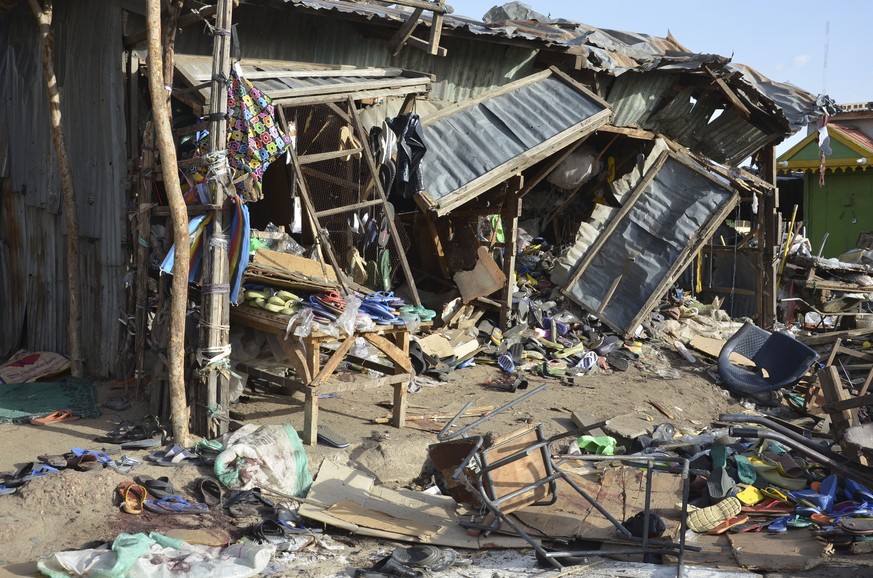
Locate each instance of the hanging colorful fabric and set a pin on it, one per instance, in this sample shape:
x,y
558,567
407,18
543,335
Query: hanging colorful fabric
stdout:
x,y
254,139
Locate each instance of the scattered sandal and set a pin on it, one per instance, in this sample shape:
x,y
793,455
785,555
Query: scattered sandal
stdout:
x,y
159,488
729,523
116,403
175,456
174,504
133,496
705,519
54,418
209,490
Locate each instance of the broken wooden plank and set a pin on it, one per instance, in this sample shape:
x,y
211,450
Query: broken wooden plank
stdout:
x,y
848,403
831,337
398,41
833,390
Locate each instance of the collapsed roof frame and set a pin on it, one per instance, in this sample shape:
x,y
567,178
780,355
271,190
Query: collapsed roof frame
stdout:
x,y
690,211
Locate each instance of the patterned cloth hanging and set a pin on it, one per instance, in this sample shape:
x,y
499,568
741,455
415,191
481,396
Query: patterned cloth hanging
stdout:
x,y
254,139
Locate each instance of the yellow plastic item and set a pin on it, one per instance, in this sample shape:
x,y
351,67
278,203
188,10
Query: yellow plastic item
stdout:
x,y
750,495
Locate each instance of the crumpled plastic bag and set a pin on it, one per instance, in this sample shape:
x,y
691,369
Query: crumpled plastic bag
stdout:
x,y
155,556
267,456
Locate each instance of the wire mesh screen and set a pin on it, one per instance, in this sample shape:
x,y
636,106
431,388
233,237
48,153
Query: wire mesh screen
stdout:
x,y
359,235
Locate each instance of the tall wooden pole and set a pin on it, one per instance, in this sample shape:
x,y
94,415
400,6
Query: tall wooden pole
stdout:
x,y
43,16
215,306
179,219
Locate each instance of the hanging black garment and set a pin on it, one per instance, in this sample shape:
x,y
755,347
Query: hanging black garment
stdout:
x,y
410,150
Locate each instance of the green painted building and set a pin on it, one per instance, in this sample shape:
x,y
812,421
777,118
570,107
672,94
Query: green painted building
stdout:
x,y
842,206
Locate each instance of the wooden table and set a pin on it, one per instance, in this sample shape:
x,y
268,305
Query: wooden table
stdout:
x,y
312,377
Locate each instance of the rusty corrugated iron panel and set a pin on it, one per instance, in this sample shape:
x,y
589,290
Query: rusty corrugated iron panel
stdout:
x,y
88,67
634,96
474,67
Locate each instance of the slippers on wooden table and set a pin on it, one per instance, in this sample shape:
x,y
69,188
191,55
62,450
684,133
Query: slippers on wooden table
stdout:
x,y
53,418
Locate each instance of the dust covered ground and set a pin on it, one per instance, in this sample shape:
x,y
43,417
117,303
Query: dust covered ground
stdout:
x,y
68,510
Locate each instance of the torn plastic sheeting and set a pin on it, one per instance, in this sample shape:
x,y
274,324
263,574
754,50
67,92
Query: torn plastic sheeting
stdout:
x,y
155,555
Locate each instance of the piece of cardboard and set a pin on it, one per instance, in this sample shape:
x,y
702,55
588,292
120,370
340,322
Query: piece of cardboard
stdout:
x,y
464,349
436,345
712,347
293,264
485,278
336,483
376,515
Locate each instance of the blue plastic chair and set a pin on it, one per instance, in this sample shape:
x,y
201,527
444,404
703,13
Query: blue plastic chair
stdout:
x,y
784,358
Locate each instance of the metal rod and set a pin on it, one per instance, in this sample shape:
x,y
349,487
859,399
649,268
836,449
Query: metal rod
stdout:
x,y
823,241
845,469
777,427
444,436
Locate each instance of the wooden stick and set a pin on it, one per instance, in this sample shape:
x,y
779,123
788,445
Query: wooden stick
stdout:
x,y
179,218
74,324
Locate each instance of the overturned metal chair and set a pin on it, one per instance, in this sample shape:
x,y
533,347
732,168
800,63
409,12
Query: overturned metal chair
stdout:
x,y
784,359
517,470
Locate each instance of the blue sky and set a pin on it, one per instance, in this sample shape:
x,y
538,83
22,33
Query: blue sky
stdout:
x,y
783,40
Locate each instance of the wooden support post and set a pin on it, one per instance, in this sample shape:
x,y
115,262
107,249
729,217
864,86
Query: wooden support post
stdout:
x,y
436,31
310,417
437,245
768,243
402,35
213,390
510,244
179,218
399,409
143,220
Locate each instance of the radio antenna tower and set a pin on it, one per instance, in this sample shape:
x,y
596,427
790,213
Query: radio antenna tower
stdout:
x,y
824,67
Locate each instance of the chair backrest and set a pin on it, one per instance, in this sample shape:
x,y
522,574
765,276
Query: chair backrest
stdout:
x,y
523,469
747,341
785,359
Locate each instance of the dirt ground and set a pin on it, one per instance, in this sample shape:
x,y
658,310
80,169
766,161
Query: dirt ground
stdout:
x,y
68,510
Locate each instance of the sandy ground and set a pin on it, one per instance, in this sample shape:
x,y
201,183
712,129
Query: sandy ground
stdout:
x,y
67,510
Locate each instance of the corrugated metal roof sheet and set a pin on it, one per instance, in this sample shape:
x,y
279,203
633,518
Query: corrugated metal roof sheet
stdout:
x,y
466,144
473,68
298,82
606,50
